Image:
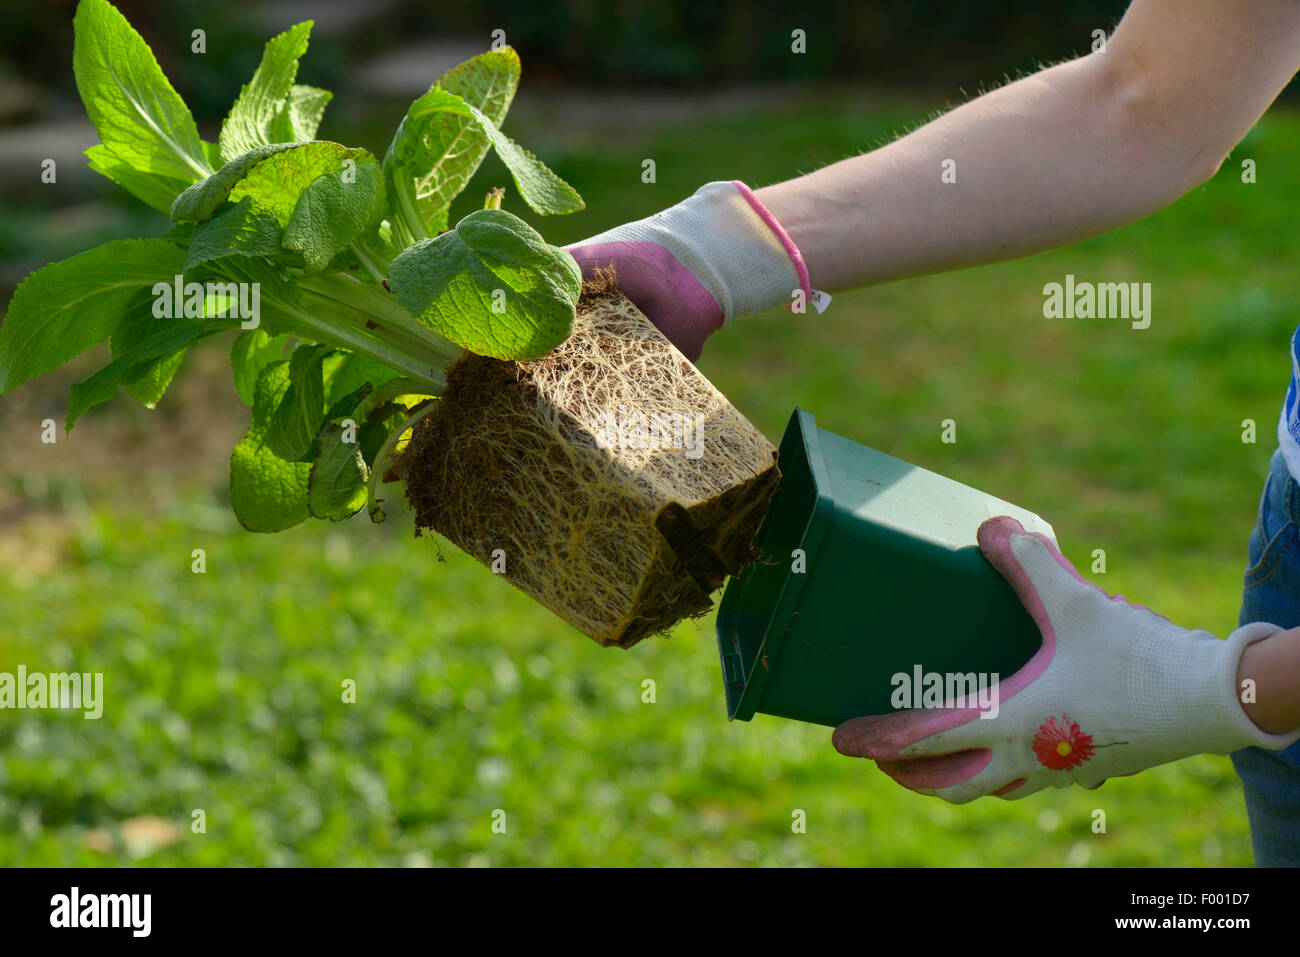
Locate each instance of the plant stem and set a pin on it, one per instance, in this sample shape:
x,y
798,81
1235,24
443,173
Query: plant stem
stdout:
x,y
372,303
376,472
408,209
342,311
385,393
427,369
368,261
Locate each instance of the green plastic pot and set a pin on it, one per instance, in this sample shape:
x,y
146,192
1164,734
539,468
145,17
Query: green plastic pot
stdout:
x,y
869,568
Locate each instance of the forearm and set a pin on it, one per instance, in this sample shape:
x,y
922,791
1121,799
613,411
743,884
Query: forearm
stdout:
x,y
1273,664
1070,152
1037,164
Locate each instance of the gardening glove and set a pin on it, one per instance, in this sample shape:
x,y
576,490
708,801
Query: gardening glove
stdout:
x,y
716,256
1114,689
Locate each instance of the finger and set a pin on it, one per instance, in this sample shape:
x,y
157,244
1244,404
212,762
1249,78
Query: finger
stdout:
x,y
1019,788
930,774
920,733
1006,789
901,734
1030,563
1002,776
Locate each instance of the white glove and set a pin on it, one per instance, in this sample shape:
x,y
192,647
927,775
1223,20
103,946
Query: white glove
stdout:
x,y
1114,689
716,256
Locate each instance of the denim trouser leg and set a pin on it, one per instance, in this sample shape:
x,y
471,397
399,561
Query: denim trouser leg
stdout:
x,y
1271,779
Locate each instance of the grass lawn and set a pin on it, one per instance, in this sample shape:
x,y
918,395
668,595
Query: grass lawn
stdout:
x,y
224,690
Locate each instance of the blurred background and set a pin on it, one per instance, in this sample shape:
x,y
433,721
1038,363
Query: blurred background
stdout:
x,y
223,689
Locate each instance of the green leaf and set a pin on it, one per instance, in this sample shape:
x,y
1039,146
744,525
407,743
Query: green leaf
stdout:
x,y
336,487
213,153
253,351
180,233
268,493
274,175
541,189
447,148
279,182
491,261
333,210
247,229
200,201
66,308
417,144
487,81
379,425
157,191
279,299
300,117
398,391
156,378
139,326
346,372
298,419
254,118
176,335
141,120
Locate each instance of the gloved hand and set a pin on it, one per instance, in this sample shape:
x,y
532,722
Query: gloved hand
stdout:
x,y
1114,689
716,256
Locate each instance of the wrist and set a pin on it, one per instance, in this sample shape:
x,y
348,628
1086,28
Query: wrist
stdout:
x,y
1238,690
1184,695
1269,670
736,249
776,231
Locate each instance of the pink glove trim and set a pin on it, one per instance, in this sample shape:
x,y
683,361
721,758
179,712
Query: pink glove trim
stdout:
x,y
791,250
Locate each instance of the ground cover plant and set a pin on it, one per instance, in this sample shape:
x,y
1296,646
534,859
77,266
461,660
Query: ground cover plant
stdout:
x,y
354,304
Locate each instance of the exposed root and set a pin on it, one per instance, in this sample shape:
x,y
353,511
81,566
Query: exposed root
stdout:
x,y
623,540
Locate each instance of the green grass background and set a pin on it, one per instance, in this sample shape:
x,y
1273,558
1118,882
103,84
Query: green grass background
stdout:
x,y
224,689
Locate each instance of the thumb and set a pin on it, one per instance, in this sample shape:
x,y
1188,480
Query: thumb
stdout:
x,y
1042,578
660,286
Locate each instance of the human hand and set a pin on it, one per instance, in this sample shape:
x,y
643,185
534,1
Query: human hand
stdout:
x,y
1114,689
693,268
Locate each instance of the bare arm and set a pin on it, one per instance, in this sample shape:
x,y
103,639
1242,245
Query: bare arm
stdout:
x,y
1274,665
1070,152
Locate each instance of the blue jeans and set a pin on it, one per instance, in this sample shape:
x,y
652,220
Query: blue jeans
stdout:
x,y
1271,592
